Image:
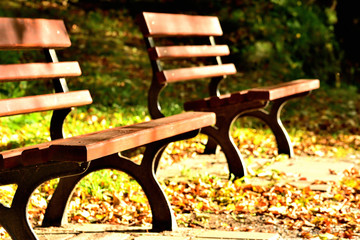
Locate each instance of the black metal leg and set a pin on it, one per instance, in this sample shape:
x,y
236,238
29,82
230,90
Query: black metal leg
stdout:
x,y
233,156
163,218
14,219
220,134
272,119
281,136
157,159
210,147
55,214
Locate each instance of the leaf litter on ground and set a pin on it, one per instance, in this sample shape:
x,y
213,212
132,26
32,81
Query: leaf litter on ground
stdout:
x,y
115,198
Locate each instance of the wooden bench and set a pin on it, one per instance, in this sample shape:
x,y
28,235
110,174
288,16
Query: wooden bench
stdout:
x,y
73,158
179,37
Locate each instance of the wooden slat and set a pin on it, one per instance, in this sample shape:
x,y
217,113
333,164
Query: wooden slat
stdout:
x,y
38,103
165,24
188,51
98,144
95,145
19,33
284,89
32,71
268,93
207,104
182,74
15,157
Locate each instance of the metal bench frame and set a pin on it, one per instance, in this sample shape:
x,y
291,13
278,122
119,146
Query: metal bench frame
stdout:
x,y
228,107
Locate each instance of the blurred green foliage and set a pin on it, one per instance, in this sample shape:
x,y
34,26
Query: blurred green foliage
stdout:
x,y
271,41
282,39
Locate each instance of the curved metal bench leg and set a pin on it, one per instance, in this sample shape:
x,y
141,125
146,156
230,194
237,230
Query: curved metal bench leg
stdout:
x,y
272,119
210,147
281,136
15,219
55,214
157,159
220,134
163,219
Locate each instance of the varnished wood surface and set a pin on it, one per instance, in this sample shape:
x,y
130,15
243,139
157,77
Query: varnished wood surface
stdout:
x,y
268,93
284,89
164,24
167,52
206,104
103,143
182,74
33,71
19,33
39,103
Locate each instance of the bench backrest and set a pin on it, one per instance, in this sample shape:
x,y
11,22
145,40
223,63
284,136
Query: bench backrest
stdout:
x,y
158,26
45,35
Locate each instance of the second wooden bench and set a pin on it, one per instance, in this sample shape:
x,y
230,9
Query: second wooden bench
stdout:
x,y
181,48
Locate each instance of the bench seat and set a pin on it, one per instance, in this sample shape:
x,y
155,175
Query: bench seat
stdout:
x,y
268,93
94,145
182,48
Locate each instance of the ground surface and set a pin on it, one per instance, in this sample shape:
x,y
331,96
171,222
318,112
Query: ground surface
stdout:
x,y
302,171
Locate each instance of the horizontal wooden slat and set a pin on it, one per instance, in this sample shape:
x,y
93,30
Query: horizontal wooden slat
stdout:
x,y
110,141
38,103
32,71
188,51
182,74
15,157
206,104
284,89
165,24
99,144
20,33
268,93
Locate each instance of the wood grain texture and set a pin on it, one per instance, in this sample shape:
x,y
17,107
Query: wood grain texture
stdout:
x,y
34,71
165,24
283,89
20,33
268,93
95,145
38,103
102,143
207,104
182,74
168,52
